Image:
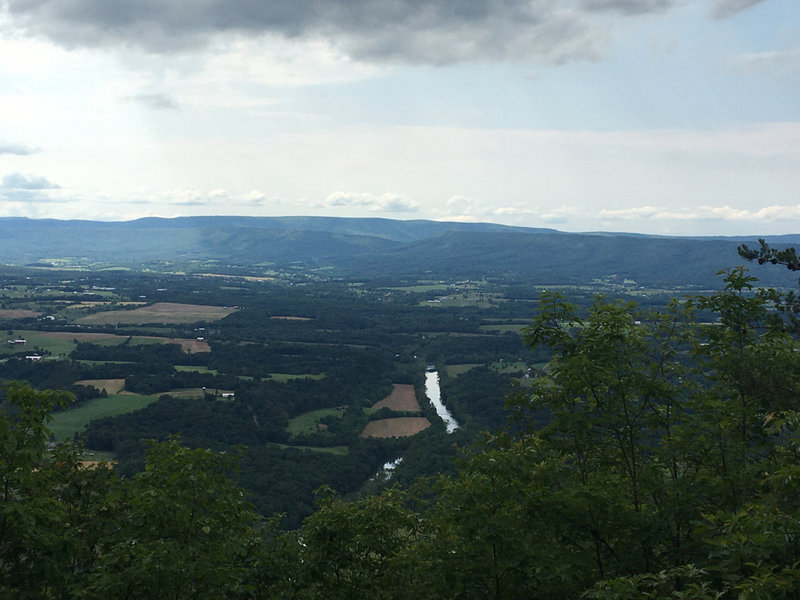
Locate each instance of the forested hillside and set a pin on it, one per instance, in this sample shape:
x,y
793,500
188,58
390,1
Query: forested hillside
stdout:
x,y
330,248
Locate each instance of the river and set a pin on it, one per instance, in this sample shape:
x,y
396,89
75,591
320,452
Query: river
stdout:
x,y
434,394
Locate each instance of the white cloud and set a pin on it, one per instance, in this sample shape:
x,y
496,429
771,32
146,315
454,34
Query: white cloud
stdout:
x,y
256,198
18,149
766,214
561,215
388,202
20,181
467,209
29,190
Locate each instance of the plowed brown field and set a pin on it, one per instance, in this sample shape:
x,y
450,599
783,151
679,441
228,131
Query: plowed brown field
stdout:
x,y
160,312
402,397
399,427
17,313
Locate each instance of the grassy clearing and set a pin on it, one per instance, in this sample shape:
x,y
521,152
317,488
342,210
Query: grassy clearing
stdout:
x,y
510,367
308,422
456,370
338,450
284,377
67,422
160,312
195,369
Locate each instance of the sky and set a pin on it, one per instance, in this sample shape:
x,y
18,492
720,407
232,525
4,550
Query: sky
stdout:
x,y
677,117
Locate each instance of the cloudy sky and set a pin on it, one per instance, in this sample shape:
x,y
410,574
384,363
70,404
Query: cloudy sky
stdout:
x,y
654,116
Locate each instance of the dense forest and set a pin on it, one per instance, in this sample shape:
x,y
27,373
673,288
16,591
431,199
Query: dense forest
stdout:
x,y
617,445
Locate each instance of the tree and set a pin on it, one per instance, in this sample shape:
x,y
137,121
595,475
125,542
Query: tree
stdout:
x,y
34,553
766,254
352,550
668,433
179,529
666,469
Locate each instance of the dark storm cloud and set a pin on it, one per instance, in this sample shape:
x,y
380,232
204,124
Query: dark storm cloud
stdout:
x,y
722,9
18,181
17,149
431,31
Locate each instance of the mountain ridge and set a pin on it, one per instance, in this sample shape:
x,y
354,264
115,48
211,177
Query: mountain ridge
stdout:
x,y
376,247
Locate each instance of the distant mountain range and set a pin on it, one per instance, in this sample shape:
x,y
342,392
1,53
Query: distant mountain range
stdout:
x,y
382,248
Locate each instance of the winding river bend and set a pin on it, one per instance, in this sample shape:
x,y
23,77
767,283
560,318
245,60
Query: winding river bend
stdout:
x,y
434,394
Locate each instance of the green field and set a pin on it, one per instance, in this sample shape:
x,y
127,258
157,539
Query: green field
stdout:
x,y
189,393
510,367
282,377
62,343
136,340
456,370
36,339
193,369
67,422
307,422
338,450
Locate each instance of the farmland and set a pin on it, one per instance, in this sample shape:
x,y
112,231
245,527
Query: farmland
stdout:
x,y
310,422
61,343
18,313
396,427
304,371
160,312
402,398
68,422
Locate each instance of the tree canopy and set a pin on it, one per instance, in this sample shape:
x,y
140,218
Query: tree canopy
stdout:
x,y
657,456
